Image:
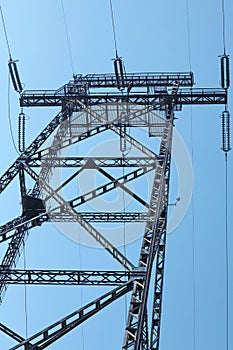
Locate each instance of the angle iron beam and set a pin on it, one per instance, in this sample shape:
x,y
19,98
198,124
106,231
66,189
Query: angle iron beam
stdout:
x,y
134,142
12,255
91,162
109,81
20,223
89,228
72,140
60,328
157,233
134,79
158,294
159,276
26,223
123,134
68,277
62,130
12,334
111,186
153,232
13,170
184,97
124,188
15,246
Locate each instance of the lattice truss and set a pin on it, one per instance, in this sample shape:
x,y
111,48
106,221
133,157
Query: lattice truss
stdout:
x,y
148,103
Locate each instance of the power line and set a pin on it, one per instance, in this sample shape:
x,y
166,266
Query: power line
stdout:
x,y
223,26
9,116
226,252
113,27
124,232
5,32
67,37
25,294
193,242
192,200
80,267
189,34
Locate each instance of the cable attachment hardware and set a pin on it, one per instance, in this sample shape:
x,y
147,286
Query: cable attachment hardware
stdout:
x,y
21,131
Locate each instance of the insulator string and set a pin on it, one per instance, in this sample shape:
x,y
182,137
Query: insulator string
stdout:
x,y
21,131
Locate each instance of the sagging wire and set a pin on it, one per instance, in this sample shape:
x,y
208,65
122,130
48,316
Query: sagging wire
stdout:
x,y
113,27
80,268
189,34
9,116
192,199
67,38
226,252
11,63
25,293
81,291
124,230
223,26
14,75
118,64
5,32
226,147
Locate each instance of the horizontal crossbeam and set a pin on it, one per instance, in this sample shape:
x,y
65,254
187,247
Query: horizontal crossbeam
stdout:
x,y
69,277
55,331
184,97
26,223
132,80
90,163
82,83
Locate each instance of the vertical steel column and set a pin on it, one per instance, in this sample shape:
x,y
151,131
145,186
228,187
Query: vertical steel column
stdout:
x,y
152,236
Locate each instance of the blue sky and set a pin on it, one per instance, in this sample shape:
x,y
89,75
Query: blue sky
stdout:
x,y
151,36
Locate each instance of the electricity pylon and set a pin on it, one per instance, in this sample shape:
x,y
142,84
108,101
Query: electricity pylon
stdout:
x,y
92,105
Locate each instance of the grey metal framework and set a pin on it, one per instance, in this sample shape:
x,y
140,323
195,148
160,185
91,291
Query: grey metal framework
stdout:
x,y
91,105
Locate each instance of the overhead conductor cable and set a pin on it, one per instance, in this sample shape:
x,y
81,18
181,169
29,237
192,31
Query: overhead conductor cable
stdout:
x,y
117,61
226,147
13,70
225,84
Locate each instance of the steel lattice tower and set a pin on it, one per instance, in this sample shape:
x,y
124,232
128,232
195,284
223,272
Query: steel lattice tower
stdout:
x,y
91,105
